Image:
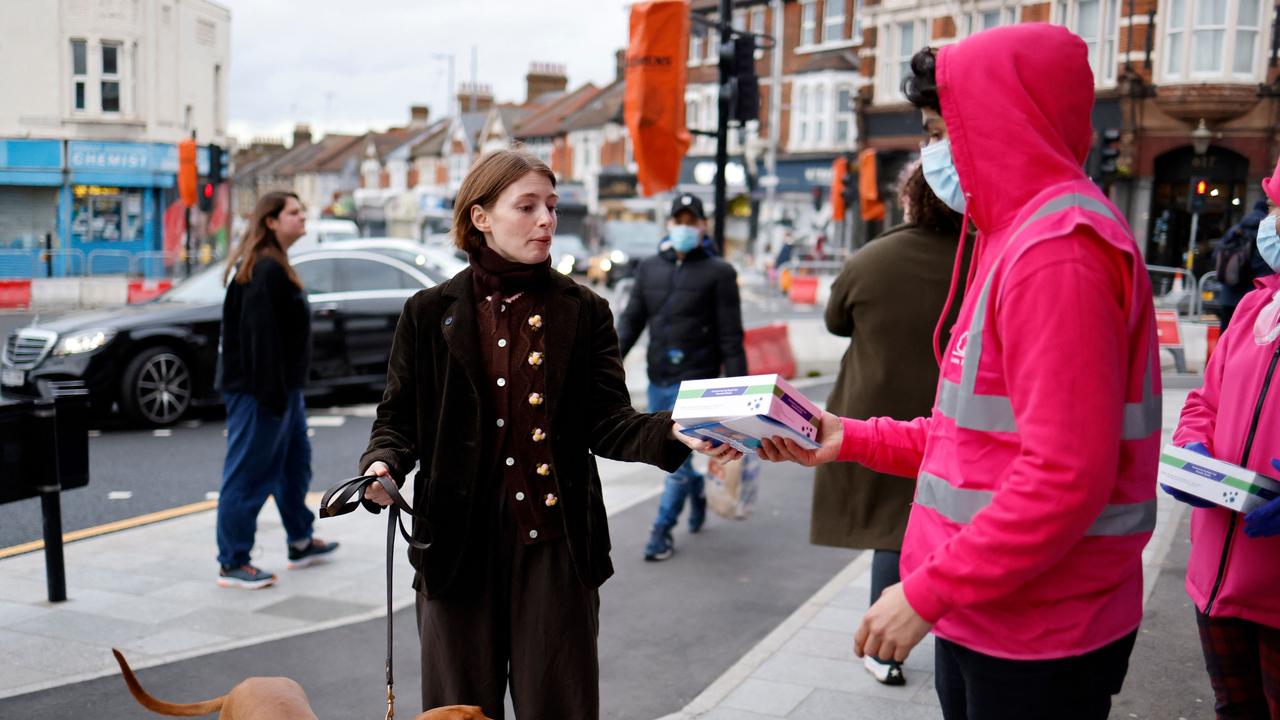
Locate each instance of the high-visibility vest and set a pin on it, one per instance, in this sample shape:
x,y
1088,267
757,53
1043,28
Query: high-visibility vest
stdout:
x,y
975,408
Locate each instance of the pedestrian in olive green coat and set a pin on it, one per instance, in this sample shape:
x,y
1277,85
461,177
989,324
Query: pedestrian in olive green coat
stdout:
x,y
888,299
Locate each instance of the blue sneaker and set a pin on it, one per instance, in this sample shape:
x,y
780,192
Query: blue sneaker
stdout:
x,y
661,545
245,576
312,553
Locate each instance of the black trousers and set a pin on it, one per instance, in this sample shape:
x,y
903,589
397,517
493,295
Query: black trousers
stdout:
x,y
520,615
974,686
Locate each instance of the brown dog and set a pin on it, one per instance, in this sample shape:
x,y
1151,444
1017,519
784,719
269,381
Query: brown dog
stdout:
x,y
262,698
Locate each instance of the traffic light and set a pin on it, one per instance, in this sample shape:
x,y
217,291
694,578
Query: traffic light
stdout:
x,y
738,62
187,176
1109,154
850,189
216,162
1199,191
205,200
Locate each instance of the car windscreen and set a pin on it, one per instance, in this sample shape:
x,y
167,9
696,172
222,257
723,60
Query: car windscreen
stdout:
x,y
568,245
635,239
203,288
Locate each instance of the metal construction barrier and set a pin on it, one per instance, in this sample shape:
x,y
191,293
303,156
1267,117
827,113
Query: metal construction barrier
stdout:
x,y
152,265
800,279
19,264
1174,289
1208,290
110,262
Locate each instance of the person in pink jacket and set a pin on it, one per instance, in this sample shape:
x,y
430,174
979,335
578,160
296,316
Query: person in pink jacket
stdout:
x,y
1233,574
1036,468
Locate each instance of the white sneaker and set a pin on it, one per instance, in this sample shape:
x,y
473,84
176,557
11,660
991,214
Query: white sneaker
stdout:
x,y
887,673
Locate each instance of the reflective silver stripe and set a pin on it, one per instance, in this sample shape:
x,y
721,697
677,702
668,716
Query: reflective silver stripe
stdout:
x,y
953,503
960,505
994,413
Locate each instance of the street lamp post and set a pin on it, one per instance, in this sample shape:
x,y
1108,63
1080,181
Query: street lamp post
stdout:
x,y
452,95
1200,139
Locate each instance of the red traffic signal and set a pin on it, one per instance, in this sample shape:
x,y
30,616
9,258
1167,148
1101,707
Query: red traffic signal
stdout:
x,y
206,197
1202,187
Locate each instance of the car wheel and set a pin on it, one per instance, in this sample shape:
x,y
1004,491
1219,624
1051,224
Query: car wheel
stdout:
x,y
156,388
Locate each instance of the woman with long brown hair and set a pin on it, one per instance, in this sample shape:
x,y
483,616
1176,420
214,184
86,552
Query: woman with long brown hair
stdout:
x,y
504,384
263,361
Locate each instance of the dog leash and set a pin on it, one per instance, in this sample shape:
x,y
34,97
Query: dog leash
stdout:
x,y
350,495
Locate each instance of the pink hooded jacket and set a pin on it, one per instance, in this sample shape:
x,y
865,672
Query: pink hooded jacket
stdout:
x,y
1036,470
1230,574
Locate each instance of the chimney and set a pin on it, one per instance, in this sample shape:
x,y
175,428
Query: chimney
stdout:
x,y
620,63
544,78
301,135
418,115
475,97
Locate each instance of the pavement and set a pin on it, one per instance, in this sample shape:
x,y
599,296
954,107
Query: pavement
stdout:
x,y
149,591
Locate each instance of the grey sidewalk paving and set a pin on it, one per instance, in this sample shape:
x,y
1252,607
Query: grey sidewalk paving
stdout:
x,y
806,670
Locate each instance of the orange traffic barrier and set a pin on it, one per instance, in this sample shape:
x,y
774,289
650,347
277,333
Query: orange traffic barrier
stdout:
x,y
15,293
769,351
1211,341
804,290
144,290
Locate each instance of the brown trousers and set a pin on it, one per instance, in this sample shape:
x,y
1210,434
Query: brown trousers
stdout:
x,y
522,616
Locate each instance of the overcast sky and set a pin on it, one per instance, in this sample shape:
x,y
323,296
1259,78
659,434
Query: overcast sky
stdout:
x,y
346,66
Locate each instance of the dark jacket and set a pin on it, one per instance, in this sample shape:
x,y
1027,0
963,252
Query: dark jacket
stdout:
x,y
694,316
434,411
1247,231
265,349
887,299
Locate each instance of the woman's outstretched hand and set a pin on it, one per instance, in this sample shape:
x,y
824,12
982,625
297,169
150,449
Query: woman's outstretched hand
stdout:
x,y
722,452
830,434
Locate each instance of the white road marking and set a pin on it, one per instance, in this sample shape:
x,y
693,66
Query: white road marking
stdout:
x,y
162,433
119,495
211,495
95,433
326,421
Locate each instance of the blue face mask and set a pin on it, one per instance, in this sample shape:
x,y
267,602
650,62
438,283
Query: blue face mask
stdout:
x,y
1269,242
940,174
684,238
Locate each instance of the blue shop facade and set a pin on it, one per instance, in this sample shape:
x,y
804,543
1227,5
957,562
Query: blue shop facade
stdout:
x,y
86,196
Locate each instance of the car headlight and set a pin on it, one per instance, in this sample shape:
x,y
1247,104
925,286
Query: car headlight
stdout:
x,y
566,264
83,342
618,257
606,265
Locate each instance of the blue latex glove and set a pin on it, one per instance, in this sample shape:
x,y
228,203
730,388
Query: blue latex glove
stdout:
x,y
1264,521
1192,500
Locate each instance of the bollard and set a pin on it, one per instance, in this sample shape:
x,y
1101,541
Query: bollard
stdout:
x,y
50,489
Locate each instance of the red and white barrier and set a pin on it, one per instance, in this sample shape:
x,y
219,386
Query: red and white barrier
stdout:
x,y
768,351
15,294
144,290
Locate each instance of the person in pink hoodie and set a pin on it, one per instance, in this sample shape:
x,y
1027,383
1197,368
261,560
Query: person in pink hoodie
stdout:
x,y
1036,468
1233,574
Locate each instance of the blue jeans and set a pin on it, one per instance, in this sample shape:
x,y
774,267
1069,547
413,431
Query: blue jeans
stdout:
x,y
684,482
266,455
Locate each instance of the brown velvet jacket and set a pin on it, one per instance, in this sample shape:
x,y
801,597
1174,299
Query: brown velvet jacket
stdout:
x,y
434,414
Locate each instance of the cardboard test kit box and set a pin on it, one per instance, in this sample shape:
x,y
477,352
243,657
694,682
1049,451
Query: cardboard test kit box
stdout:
x,y
742,410
1217,481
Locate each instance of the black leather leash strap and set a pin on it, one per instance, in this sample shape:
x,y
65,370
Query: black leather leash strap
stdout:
x,y
345,497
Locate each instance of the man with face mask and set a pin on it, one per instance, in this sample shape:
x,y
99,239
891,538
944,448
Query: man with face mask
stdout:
x,y
1035,471
688,298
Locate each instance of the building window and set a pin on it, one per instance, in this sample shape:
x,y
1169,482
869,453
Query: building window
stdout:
x,y
833,21
757,20
110,77
906,37
1095,22
804,115
79,73
1212,38
844,114
809,23
106,214
697,36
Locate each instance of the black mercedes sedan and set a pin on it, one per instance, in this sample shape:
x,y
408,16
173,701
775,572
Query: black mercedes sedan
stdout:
x,y
155,361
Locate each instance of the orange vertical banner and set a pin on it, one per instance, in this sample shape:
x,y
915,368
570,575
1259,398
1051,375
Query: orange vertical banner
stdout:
x,y
187,172
838,169
868,187
657,57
